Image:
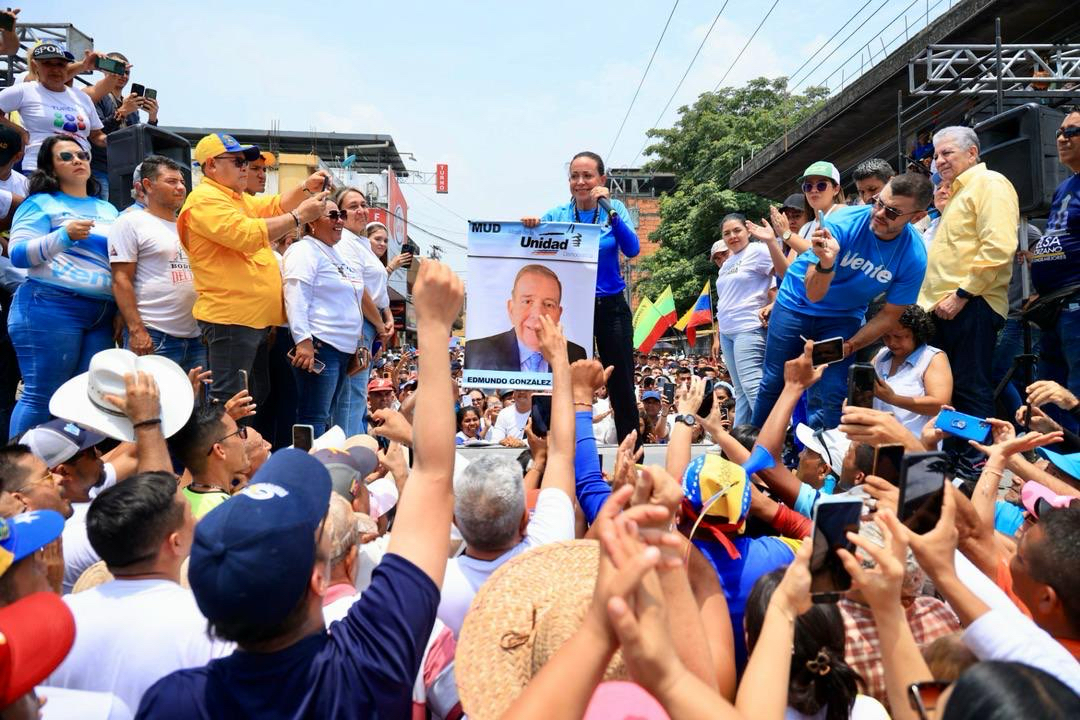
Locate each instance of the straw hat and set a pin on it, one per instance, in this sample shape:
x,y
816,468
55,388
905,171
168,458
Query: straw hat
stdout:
x,y
519,618
96,574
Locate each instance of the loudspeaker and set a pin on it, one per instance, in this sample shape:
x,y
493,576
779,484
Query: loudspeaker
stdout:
x,y
1020,143
130,146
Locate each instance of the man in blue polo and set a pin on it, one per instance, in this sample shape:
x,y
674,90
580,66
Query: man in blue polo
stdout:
x,y
858,254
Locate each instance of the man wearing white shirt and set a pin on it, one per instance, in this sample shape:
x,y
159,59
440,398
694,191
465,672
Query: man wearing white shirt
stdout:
x,y
509,428
134,630
152,278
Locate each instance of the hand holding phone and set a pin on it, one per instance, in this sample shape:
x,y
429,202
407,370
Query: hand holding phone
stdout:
x,y
862,379
922,489
968,427
138,89
541,414
110,65
827,351
834,517
303,437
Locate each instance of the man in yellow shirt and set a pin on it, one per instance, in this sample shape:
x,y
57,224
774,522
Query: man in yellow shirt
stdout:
x,y
227,234
969,265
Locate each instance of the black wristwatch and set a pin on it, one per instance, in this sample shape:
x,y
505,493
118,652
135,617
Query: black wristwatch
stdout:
x,y
963,294
824,271
688,420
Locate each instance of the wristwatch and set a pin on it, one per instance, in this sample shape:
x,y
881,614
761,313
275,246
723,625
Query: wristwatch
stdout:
x,y
823,270
963,294
688,420
786,236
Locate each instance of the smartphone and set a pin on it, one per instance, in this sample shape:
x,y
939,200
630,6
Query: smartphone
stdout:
x,y
150,94
317,365
326,183
109,65
887,459
7,22
707,400
828,351
668,392
860,385
541,414
922,489
138,89
820,220
834,517
412,248
303,437
968,427
376,347
244,378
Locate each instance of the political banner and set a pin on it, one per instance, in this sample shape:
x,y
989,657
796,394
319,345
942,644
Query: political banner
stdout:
x,y
516,274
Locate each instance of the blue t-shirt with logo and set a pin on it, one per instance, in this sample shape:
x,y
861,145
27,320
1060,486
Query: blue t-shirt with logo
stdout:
x,y
865,268
613,238
1056,259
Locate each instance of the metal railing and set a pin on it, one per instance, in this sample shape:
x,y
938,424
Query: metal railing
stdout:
x,y
990,69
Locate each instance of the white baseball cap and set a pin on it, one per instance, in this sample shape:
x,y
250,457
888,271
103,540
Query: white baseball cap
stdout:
x,y
718,246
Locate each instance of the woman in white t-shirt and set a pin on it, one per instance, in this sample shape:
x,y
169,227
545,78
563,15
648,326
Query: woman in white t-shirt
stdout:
x,y
323,304
914,378
47,106
742,289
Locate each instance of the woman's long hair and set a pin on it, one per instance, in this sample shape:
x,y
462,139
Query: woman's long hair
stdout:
x,y
45,180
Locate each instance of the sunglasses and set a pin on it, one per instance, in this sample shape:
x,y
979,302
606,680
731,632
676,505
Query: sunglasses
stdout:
x,y
890,212
67,156
238,161
241,431
1068,132
820,186
334,215
924,696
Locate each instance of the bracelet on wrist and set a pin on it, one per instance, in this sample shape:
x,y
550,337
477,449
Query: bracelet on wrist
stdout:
x,y
146,423
824,270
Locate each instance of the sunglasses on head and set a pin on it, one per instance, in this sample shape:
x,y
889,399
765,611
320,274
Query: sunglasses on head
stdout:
x,y
820,186
334,215
68,156
890,212
1068,132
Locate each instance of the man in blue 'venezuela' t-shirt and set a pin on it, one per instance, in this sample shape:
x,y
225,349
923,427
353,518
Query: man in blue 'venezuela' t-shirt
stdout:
x,y
859,254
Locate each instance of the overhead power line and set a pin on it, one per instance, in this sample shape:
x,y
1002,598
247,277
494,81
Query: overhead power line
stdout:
x,y
825,44
750,40
642,81
682,79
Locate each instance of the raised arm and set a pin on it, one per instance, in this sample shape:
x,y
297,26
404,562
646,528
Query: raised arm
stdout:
x,y
820,276
586,376
559,472
141,404
422,526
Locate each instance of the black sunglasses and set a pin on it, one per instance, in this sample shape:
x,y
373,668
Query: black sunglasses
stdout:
x,y
890,212
241,431
334,215
820,186
1068,132
238,161
68,156
924,696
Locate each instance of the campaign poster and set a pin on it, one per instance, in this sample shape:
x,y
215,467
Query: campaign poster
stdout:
x,y
516,274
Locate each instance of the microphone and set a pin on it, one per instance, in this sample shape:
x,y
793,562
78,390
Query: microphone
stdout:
x,y
604,203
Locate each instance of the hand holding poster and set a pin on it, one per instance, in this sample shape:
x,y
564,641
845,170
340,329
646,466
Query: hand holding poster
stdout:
x,y
519,274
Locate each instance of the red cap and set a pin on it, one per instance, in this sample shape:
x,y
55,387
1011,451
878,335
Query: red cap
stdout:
x,y
380,385
36,634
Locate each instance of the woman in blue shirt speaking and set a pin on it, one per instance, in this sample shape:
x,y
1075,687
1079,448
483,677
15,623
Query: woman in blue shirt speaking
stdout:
x,y
63,314
612,326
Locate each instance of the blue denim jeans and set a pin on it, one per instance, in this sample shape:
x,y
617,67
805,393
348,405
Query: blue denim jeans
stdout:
x,y
1059,357
103,181
185,352
827,395
744,355
351,407
54,333
316,392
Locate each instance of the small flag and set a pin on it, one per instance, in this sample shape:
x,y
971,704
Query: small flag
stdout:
x,y
654,321
699,314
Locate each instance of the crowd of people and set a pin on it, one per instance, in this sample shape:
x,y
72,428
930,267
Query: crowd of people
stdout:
x,y
171,546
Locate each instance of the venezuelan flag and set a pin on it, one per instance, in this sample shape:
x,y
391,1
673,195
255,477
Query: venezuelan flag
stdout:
x,y
699,314
654,321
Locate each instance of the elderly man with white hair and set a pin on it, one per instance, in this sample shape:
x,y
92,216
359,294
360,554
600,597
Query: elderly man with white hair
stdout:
x,y
970,265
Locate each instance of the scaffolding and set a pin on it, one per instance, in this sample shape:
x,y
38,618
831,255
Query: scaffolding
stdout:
x,y
30,34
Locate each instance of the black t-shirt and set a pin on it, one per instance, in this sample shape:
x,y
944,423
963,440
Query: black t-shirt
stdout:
x,y
364,667
106,110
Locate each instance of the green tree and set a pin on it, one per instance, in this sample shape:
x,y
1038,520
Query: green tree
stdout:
x,y
704,147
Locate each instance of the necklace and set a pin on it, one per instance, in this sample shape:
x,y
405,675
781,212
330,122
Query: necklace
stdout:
x,y
577,217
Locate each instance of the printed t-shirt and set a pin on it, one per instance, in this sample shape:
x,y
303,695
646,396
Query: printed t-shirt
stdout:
x,y
44,113
865,268
609,279
1056,258
164,286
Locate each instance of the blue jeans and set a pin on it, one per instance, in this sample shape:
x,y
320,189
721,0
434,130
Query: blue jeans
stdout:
x,y
744,354
55,333
827,395
185,352
103,181
316,392
1059,357
351,408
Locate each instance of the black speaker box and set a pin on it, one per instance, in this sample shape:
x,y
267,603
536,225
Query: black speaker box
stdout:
x,y
1020,143
130,146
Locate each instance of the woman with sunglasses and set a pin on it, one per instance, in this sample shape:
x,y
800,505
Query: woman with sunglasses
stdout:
x,y
612,322
323,301
822,191
860,253
63,314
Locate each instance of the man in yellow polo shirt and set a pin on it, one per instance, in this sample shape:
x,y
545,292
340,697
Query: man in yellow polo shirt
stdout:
x,y
227,235
969,265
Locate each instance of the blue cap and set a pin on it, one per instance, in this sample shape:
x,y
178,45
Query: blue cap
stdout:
x,y
1069,464
57,441
650,395
26,533
252,556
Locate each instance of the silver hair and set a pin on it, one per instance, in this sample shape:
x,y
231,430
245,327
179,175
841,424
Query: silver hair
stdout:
x,y
964,137
489,502
342,526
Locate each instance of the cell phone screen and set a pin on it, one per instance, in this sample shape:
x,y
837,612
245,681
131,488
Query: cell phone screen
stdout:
x,y
303,437
138,89
887,459
828,351
833,519
707,400
541,414
150,94
861,379
922,489
669,392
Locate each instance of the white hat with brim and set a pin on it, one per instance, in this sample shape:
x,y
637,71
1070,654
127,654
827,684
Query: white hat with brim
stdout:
x,y
81,399
831,445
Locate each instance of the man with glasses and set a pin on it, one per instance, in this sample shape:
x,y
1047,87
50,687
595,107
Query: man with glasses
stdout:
x,y
1055,266
969,267
211,446
228,234
859,254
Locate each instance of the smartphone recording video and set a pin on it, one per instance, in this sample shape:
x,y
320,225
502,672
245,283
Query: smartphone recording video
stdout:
x,y
541,414
861,380
922,489
303,437
834,517
827,351
887,459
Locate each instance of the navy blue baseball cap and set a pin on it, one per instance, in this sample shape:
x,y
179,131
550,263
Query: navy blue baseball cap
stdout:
x,y
252,556
650,395
57,441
